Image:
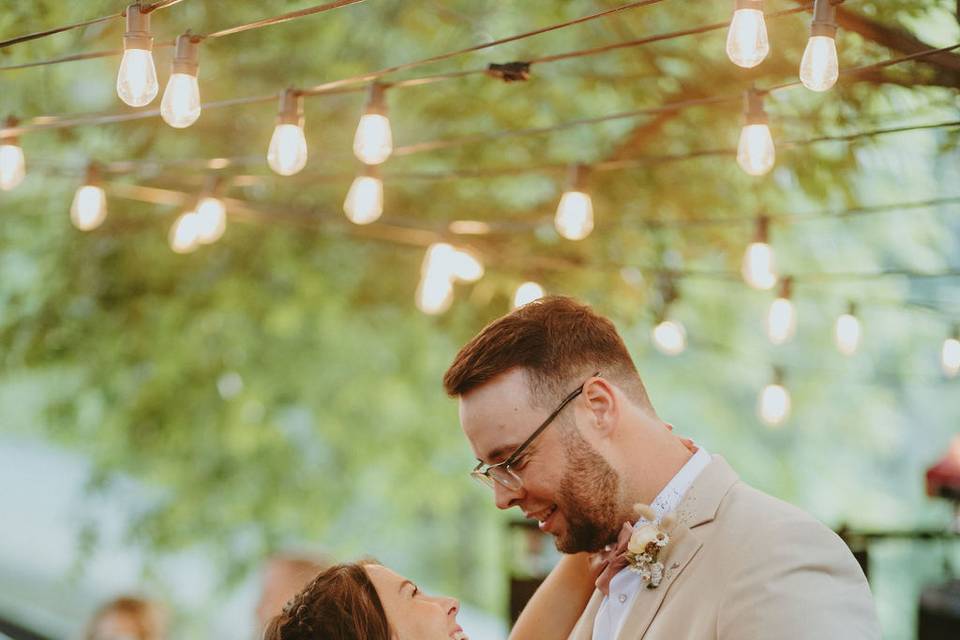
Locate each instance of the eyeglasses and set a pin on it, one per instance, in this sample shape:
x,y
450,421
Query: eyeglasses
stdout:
x,y
501,473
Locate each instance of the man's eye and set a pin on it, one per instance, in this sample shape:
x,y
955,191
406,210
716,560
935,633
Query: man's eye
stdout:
x,y
521,462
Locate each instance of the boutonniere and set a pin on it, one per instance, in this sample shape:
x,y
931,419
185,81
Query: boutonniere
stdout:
x,y
647,546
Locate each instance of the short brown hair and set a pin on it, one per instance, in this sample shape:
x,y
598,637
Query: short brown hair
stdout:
x,y
558,341
339,604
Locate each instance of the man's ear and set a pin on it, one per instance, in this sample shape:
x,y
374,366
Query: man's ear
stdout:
x,y
601,399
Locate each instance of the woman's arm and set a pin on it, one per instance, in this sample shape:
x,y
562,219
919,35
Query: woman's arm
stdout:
x,y
556,606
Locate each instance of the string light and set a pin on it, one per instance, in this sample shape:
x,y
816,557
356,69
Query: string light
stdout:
x,y
12,162
373,141
180,106
527,293
782,317
747,43
434,293
185,232
774,404
287,154
465,266
364,201
819,68
758,268
755,151
950,354
211,219
137,78
574,219
205,223
89,207
669,337
847,331
444,264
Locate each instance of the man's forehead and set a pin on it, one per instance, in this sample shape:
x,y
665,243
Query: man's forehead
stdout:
x,y
496,415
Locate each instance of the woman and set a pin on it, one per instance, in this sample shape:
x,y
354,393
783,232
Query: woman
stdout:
x,y
367,601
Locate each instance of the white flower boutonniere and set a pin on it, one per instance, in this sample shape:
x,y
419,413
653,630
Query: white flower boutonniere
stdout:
x,y
647,546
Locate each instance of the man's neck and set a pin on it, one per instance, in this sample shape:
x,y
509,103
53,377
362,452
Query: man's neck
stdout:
x,y
648,482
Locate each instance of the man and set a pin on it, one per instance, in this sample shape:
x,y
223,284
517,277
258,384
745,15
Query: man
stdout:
x,y
736,565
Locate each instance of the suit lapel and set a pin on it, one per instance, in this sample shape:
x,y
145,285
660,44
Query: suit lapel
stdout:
x,y
698,507
683,546
702,500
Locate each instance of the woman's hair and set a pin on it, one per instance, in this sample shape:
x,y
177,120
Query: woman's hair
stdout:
x,y
148,617
339,604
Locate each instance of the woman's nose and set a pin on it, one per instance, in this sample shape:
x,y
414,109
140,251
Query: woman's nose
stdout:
x,y
453,606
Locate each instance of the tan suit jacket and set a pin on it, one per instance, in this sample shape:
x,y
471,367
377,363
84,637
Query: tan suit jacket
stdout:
x,y
743,565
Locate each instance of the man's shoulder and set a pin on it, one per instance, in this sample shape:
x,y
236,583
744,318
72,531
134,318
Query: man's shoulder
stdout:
x,y
748,514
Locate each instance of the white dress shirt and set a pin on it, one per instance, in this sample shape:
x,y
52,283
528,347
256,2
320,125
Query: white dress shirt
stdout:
x,y
626,584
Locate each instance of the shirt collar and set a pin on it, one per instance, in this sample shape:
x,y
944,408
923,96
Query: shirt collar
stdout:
x,y
670,497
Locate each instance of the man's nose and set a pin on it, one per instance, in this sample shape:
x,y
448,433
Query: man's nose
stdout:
x,y
505,497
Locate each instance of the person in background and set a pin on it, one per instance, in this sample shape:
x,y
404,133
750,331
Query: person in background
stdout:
x,y
128,618
285,574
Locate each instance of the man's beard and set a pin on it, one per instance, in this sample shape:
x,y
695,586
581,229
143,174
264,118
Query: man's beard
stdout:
x,y
587,498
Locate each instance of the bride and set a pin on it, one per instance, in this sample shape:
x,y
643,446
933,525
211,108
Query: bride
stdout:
x,y
368,601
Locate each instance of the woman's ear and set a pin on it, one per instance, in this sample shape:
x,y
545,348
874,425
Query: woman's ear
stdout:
x,y
604,406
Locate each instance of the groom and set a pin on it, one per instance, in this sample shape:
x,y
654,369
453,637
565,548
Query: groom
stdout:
x,y
562,428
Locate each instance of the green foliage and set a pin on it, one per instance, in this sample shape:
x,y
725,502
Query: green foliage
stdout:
x,y
281,387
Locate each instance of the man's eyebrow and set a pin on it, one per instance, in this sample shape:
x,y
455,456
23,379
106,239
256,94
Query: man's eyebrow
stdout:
x,y
500,453
405,583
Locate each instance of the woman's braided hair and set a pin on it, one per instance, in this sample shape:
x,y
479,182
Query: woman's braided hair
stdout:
x,y
339,604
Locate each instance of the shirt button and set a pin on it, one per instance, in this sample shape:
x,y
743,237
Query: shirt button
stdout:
x,y
622,598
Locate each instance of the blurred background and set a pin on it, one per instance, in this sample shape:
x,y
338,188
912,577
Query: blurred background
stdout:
x,y
178,408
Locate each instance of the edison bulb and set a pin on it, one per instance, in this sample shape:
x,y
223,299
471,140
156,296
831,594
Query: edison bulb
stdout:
x,y
781,321
137,78
747,43
465,266
451,263
287,154
12,166
774,405
847,334
211,220
89,208
364,201
373,142
185,233
755,152
574,220
950,357
819,68
180,106
758,266
670,338
435,293
527,293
